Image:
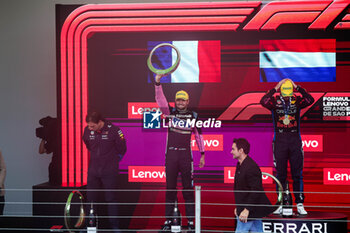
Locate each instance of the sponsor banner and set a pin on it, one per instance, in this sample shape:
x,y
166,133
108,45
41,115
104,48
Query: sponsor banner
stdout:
x,y
212,142
312,143
311,226
136,109
146,173
336,176
229,175
336,108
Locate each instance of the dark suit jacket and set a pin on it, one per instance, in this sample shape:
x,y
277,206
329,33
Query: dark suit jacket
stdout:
x,y
248,178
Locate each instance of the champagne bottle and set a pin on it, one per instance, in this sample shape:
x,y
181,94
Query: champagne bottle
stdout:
x,y
176,223
92,224
287,209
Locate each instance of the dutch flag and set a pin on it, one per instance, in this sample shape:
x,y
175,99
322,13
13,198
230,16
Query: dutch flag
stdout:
x,y
302,60
200,61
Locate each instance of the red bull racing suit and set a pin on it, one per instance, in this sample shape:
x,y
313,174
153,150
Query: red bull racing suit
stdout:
x,y
107,146
287,144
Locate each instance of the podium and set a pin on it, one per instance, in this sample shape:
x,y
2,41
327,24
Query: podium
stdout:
x,y
50,201
316,222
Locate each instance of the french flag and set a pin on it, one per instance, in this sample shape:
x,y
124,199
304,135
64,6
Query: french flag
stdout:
x,y
302,60
200,61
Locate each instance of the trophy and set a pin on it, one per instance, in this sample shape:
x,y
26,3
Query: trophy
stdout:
x,y
280,188
166,71
67,213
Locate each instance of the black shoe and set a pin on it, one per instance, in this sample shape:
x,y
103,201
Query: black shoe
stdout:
x,y
190,227
166,227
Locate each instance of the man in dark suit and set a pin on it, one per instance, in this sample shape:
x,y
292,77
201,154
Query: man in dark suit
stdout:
x,y
252,203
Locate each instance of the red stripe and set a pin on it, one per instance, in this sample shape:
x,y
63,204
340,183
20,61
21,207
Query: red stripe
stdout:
x,y
71,108
64,107
78,120
289,17
307,45
209,61
84,95
342,25
71,123
152,6
168,20
166,13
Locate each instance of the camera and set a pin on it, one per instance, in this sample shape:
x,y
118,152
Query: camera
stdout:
x,y
49,126
48,132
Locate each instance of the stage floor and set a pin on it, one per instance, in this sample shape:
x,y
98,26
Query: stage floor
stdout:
x,y
317,222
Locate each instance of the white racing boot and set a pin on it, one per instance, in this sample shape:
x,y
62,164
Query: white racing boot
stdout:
x,y
301,209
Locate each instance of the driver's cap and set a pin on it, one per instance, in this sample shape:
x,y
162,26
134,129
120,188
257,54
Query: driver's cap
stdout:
x,y
287,89
181,95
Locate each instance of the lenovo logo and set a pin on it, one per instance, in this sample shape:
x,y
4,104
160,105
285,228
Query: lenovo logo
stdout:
x,y
136,109
312,143
146,173
211,142
336,176
229,175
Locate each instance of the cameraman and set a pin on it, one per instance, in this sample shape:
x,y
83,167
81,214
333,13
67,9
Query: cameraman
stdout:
x,y
48,134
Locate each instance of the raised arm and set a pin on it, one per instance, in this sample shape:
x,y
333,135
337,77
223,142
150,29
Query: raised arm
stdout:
x,y
160,97
268,101
306,99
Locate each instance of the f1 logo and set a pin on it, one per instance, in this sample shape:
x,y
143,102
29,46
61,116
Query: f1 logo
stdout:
x,y
320,14
151,120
